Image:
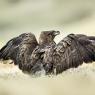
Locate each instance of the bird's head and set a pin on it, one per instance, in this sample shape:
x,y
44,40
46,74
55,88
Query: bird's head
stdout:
x,y
47,37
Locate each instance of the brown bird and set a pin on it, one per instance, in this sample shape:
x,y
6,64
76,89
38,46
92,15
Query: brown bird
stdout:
x,y
54,58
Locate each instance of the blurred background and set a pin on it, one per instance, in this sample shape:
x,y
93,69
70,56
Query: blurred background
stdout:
x,y
67,16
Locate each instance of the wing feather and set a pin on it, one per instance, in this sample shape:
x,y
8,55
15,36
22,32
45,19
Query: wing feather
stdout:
x,y
9,49
72,51
19,48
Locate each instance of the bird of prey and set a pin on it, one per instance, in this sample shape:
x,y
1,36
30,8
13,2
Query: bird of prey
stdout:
x,y
25,49
54,58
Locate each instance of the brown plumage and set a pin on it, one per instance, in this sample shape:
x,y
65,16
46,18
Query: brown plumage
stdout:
x,y
71,52
46,40
54,58
19,48
25,51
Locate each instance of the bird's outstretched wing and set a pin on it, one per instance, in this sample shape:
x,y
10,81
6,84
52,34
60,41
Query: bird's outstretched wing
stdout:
x,y
14,47
9,51
71,52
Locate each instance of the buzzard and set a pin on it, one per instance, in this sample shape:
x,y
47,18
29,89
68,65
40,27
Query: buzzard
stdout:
x,y
31,56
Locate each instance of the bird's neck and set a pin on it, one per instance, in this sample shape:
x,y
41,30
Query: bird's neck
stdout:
x,y
46,43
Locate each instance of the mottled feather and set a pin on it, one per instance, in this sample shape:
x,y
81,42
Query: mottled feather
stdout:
x,y
19,48
71,52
